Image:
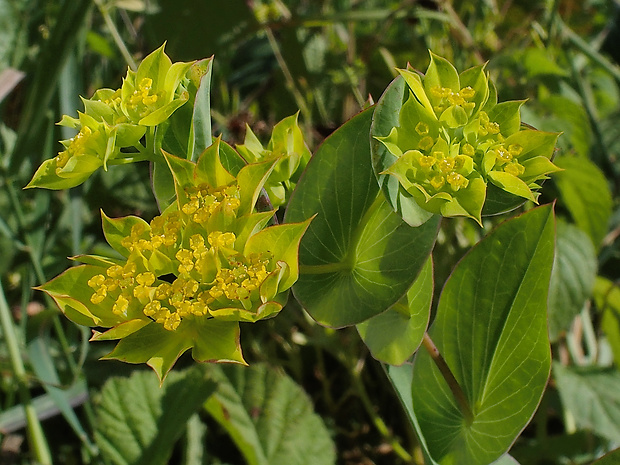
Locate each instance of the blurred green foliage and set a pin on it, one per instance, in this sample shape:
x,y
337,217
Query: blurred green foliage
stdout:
x,y
326,58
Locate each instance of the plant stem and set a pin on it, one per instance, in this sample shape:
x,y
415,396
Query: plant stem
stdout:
x,y
290,82
588,50
36,437
360,390
116,35
453,384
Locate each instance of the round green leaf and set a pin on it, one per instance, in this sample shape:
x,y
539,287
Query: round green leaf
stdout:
x,y
394,335
358,257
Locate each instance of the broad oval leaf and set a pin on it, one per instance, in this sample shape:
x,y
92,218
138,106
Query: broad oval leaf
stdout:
x,y
491,328
138,422
358,257
394,335
572,278
586,194
269,417
591,396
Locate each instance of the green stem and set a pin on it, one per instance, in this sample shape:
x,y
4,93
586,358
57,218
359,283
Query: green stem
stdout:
x,y
36,437
588,50
453,384
116,35
290,81
360,389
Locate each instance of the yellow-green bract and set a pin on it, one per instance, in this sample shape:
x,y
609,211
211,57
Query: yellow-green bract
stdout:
x,y
118,119
187,278
453,138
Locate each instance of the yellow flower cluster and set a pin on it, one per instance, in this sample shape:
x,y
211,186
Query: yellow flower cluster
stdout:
x,y
448,98
143,99
448,171
506,159
210,273
439,167
77,146
204,202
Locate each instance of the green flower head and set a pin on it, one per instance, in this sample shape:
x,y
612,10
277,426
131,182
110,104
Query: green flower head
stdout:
x,y
114,122
190,275
288,147
454,138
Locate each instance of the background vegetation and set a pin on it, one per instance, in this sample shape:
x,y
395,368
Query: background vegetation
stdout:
x,y
273,58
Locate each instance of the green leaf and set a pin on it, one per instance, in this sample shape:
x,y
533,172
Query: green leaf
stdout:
x,y
358,257
209,168
592,398
511,184
138,423
394,335
385,119
182,170
200,76
153,345
269,417
163,185
401,378
613,458
534,143
477,79
491,329
414,81
251,179
440,73
507,115
607,298
586,194
572,278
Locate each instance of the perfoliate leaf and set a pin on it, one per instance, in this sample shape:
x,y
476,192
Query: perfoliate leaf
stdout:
x,y
491,329
358,257
394,335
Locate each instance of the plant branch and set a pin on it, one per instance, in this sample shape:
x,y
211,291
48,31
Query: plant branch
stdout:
x,y
382,428
453,384
118,40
